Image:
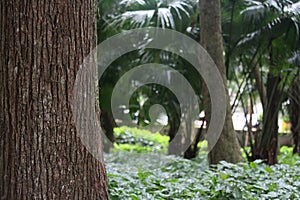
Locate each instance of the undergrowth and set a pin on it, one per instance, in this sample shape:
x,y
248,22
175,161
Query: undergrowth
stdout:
x,y
143,176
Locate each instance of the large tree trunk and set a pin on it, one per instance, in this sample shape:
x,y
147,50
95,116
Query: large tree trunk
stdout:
x,y
227,148
42,46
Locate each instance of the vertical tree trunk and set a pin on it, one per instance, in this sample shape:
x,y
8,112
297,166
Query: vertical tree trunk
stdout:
x,y
108,124
227,147
295,114
175,147
268,144
42,46
260,86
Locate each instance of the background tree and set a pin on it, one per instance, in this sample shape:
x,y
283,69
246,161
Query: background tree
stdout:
x,y
227,147
294,107
177,15
272,29
42,47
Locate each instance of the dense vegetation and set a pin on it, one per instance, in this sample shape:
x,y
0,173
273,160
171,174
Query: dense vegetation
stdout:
x,y
49,136
133,139
139,171
261,53
261,57
135,175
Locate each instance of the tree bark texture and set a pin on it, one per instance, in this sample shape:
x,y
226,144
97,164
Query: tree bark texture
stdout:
x,y
227,148
43,44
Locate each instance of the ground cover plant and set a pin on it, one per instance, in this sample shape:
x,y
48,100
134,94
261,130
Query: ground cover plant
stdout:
x,y
154,175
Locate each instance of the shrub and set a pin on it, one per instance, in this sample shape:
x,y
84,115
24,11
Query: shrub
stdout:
x,y
133,139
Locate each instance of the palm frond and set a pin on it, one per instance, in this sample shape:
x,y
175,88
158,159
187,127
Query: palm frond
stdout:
x,y
254,12
180,7
276,18
129,3
295,59
165,18
137,18
141,13
258,10
293,9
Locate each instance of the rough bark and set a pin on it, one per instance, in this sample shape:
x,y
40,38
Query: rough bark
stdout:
x,y
227,147
42,46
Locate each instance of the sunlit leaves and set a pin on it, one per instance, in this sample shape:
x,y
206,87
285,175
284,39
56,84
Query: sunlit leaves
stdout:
x,y
143,13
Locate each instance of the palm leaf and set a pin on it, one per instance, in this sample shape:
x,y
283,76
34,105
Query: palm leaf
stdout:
x,y
141,13
275,19
295,59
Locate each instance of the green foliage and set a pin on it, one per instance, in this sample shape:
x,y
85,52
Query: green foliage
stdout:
x,y
117,16
287,157
156,176
133,139
173,14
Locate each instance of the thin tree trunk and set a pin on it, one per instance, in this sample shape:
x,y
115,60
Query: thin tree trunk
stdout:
x,y
259,85
108,124
268,145
175,146
42,46
268,140
227,148
294,112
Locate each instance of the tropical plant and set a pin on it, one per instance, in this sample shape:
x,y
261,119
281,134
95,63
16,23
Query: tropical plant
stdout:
x,y
294,103
272,29
175,14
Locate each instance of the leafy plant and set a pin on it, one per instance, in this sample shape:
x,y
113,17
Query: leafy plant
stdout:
x,y
157,176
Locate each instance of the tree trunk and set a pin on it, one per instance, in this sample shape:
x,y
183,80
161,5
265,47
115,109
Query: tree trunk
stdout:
x,y
294,113
268,144
193,149
108,124
43,44
175,147
260,86
227,147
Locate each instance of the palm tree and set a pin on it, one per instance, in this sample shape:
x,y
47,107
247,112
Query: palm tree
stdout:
x,y
294,107
175,14
273,31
